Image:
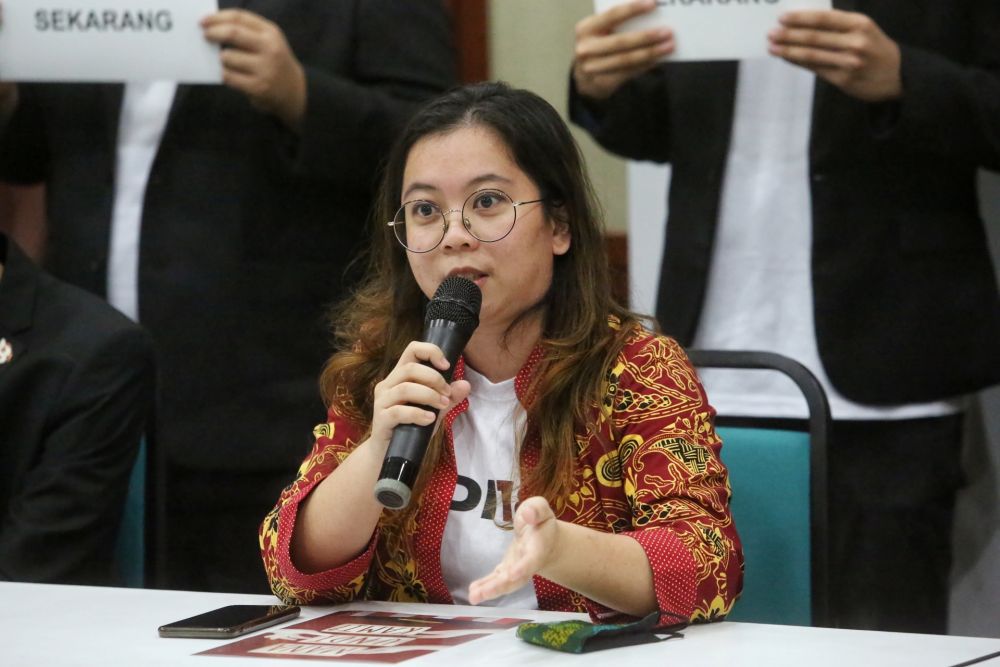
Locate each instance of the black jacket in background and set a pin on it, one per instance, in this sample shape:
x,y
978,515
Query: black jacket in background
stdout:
x,y
905,298
247,227
74,398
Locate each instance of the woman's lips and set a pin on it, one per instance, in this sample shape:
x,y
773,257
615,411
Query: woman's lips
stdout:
x,y
470,274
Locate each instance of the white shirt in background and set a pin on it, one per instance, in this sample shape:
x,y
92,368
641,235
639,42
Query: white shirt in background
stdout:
x,y
759,294
144,113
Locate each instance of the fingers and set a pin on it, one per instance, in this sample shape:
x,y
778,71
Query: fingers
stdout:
x,y
531,513
413,382
408,403
635,52
607,21
239,61
492,586
482,590
817,58
535,541
418,351
231,22
392,416
412,391
604,59
235,37
521,562
847,49
834,20
258,61
823,39
460,390
501,581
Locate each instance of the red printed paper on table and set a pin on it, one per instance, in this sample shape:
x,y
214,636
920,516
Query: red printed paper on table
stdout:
x,y
370,636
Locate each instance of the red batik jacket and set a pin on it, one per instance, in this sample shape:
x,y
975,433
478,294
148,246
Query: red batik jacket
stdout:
x,y
648,467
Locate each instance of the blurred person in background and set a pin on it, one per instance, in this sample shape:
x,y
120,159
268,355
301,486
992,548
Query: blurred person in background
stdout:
x,y
223,219
823,205
76,389
575,466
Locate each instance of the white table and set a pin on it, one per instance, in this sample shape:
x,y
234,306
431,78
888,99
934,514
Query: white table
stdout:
x,y
82,625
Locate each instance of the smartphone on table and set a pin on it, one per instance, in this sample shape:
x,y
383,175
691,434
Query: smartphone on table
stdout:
x,y
231,621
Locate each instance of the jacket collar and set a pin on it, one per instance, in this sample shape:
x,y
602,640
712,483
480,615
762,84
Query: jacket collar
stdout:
x,y
522,382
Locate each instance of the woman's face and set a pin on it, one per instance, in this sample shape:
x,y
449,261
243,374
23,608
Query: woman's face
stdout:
x,y
513,273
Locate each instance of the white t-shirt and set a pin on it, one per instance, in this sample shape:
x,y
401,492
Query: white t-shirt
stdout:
x,y
144,113
759,294
478,530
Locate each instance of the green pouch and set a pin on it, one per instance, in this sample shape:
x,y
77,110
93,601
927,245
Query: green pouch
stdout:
x,y
583,637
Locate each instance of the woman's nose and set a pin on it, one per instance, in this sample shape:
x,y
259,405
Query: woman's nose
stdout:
x,y
458,234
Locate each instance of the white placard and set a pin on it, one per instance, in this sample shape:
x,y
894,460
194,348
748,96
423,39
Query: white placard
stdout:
x,y
715,29
107,40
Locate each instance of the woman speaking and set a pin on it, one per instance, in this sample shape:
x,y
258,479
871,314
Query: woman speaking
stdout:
x,y
574,466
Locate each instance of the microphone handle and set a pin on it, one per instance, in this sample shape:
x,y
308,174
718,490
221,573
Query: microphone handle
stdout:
x,y
409,441
451,338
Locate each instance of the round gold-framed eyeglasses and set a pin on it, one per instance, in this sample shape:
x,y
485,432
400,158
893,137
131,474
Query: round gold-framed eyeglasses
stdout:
x,y
488,215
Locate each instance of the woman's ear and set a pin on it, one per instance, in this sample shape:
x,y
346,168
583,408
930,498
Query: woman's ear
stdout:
x,y
561,237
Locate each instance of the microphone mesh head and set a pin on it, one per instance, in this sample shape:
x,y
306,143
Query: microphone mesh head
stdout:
x,y
457,300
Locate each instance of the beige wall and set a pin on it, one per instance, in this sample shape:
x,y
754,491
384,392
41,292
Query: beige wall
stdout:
x,y
531,45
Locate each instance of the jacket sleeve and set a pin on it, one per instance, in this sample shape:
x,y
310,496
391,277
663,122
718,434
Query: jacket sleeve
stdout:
x,y
635,122
403,56
675,483
24,153
335,440
951,108
61,525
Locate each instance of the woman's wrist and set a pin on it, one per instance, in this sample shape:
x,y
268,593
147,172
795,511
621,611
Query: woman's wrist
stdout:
x,y
8,100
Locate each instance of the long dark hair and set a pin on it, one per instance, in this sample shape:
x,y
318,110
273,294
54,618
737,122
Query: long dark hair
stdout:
x,y
386,312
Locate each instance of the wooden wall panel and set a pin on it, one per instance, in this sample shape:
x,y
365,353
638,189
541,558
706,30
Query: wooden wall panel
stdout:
x,y
617,247
470,19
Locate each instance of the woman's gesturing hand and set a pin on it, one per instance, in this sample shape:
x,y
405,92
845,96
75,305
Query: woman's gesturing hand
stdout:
x,y
400,397
536,539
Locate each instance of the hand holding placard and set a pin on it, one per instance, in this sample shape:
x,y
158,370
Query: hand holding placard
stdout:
x,y
847,49
605,58
627,38
257,61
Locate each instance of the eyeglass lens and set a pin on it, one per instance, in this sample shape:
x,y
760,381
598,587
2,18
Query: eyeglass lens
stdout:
x,y
488,215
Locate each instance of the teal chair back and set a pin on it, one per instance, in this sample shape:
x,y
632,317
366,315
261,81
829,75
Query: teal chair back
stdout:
x,y
769,475
779,505
130,551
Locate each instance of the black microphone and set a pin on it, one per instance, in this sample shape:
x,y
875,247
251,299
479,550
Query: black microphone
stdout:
x,y
451,318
